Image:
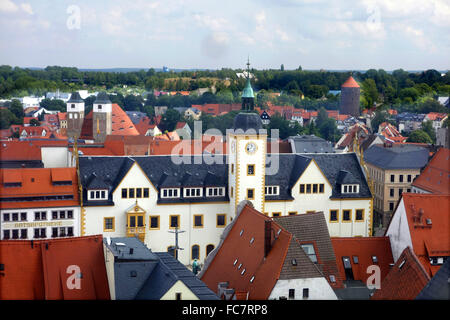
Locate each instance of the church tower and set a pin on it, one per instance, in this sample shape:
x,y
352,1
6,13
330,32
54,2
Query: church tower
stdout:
x,y
75,115
102,117
247,154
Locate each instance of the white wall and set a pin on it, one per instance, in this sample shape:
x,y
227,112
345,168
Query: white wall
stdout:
x,y
319,289
398,231
54,157
179,287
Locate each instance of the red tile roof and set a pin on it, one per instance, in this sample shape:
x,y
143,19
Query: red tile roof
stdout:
x,y
19,150
435,178
37,270
37,182
121,124
428,240
350,83
250,256
26,120
433,116
405,280
364,248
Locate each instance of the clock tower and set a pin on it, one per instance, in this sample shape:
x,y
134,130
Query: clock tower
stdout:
x,y
247,154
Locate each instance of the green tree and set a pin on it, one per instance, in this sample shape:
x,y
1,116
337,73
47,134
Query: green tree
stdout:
x,y
169,120
419,136
427,126
7,118
282,67
379,118
369,92
16,108
34,123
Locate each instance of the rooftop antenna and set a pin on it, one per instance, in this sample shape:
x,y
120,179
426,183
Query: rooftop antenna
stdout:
x,y
176,247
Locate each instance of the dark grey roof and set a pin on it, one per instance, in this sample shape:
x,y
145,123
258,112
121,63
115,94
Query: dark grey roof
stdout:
x,y
135,116
332,164
438,288
75,98
131,268
310,144
167,272
102,97
397,156
247,121
345,177
165,172
409,116
120,248
354,290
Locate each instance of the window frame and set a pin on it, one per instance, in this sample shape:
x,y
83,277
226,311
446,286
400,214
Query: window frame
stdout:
x,y
253,194
198,251
201,220
150,222
251,166
178,221
356,214
337,216
224,220
343,215
113,224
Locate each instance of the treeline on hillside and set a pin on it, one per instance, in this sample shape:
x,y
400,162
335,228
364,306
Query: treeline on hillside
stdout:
x,y
379,86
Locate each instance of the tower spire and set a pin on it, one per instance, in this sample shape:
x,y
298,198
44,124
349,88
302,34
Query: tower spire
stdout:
x,y
247,95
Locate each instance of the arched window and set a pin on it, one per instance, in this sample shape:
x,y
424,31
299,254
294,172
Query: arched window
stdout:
x,y
195,252
209,248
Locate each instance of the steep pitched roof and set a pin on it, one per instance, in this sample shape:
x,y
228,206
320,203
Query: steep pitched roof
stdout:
x,y
397,156
350,83
166,273
241,261
430,234
312,228
405,280
439,287
39,269
364,248
435,178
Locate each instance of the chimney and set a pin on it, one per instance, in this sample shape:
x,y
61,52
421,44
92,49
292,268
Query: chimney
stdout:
x,y
420,215
267,237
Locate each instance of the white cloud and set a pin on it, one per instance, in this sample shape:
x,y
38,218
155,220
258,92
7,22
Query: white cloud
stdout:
x,y
8,6
27,8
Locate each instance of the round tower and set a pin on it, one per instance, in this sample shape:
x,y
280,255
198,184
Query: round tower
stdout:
x,y
349,103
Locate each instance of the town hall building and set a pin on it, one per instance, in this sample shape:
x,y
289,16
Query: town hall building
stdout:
x,y
182,204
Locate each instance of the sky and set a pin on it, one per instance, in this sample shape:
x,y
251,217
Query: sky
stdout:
x,y
313,34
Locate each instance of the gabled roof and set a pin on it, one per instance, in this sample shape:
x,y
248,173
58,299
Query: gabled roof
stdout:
x,y
429,235
363,248
435,178
397,156
242,262
19,150
405,280
312,228
165,274
37,270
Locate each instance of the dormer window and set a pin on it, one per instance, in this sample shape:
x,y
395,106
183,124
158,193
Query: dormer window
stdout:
x,y
97,194
350,188
168,193
272,190
193,192
215,192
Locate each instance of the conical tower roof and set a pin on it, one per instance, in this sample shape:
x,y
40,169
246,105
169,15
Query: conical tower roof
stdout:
x,y
350,83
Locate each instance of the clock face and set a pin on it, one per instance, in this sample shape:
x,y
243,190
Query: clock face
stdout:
x,y
250,147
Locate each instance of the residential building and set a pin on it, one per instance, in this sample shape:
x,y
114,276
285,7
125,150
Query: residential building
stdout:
x,y
435,177
311,231
183,130
408,122
392,169
405,280
20,154
39,203
421,222
257,259
192,113
56,269
437,119
390,133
